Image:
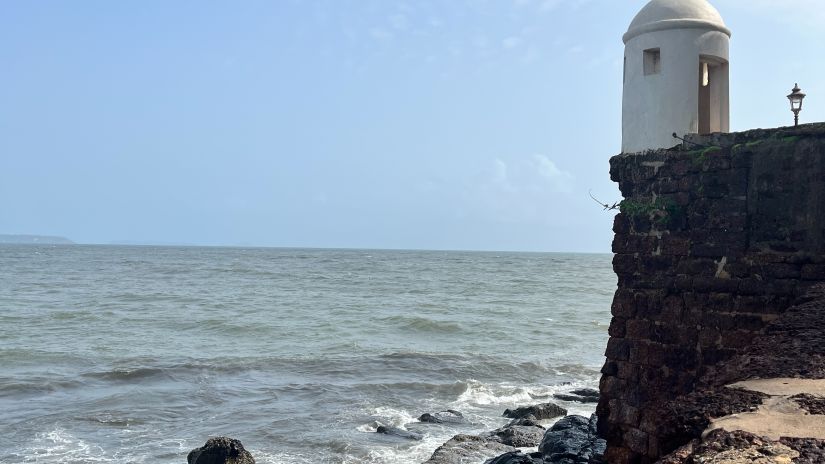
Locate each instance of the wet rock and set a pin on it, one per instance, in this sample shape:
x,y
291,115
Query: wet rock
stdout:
x,y
581,395
398,432
220,450
573,440
516,457
462,449
528,420
587,393
538,411
520,436
444,417
574,398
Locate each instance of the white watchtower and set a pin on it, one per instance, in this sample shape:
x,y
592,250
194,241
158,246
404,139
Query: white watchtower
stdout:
x,y
675,74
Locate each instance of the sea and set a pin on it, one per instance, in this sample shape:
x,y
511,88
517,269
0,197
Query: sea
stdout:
x,y
137,354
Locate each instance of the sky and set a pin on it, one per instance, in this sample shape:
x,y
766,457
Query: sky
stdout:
x,y
414,124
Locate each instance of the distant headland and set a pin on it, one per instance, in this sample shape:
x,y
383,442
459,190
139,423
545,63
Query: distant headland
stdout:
x,y
34,240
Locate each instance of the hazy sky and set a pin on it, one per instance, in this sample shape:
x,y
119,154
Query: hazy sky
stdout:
x,y
439,124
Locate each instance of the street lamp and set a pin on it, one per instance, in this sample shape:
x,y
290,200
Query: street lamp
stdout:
x,y
796,102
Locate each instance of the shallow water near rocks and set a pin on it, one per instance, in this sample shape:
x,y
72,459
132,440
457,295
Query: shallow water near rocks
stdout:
x,y
139,354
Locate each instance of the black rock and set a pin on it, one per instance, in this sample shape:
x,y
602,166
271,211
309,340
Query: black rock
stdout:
x,y
397,432
587,393
516,457
566,397
220,450
520,436
572,440
462,449
528,420
444,417
582,395
539,411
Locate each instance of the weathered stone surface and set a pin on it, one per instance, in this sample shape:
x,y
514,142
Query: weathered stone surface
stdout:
x,y
539,411
573,439
517,457
711,252
689,416
582,395
526,420
811,451
466,449
220,450
722,447
811,404
520,436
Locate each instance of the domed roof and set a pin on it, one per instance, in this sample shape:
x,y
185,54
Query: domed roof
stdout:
x,y
676,14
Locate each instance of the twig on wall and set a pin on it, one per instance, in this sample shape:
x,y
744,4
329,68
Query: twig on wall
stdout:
x,y
606,206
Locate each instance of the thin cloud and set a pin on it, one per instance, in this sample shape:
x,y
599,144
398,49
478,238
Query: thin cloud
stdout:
x,y
549,171
521,190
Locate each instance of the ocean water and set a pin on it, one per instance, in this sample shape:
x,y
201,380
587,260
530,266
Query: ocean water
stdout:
x,y
139,354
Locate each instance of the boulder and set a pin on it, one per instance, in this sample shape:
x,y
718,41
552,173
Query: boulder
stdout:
x,y
444,417
220,450
462,449
529,420
573,440
520,436
398,432
587,393
539,411
516,457
581,395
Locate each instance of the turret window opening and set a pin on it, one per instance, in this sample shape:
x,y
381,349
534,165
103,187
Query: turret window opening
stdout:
x,y
713,94
705,74
652,61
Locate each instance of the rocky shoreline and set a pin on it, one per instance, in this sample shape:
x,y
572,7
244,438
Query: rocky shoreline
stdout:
x,y
766,405
571,439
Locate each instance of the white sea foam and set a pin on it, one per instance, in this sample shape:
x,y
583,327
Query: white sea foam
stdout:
x,y
60,446
394,417
387,416
401,454
480,396
262,457
369,427
478,393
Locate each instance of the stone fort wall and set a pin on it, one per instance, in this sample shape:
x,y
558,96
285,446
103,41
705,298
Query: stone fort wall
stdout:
x,y
712,244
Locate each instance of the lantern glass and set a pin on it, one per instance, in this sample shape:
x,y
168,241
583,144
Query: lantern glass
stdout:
x,y
796,98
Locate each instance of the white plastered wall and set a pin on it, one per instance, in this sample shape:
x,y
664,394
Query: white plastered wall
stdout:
x,y
655,106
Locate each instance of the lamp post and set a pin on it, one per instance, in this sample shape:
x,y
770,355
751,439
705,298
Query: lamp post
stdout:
x,y
796,98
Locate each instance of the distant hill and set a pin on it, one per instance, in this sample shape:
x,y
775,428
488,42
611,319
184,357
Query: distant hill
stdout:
x,y
150,243
34,240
